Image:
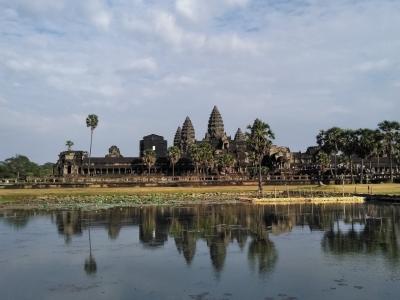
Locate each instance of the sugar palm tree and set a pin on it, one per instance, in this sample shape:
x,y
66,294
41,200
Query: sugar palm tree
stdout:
x,y
322,160
195,155
149,159
259,138
226,161
390,137
174,155
91,122
330,142
348,145
206,156
69,144
378,147
90,262
365,146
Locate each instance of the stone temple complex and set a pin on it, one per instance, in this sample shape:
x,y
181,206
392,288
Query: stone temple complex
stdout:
x,y
76,163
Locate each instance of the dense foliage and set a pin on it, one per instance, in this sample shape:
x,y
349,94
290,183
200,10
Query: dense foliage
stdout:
x,y
364,143
20,166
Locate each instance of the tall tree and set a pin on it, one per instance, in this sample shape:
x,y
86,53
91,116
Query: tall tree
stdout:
x,y
91,122
366,139
226,161
322,160
390,137
348,145
195,155
206,156
90,262
149,159
330,142
20,165
174,155
259,138
69,144
378,150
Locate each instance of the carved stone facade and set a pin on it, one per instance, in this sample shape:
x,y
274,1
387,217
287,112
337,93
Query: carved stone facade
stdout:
x,y
114,152
188,136
77,163
154,142
216,135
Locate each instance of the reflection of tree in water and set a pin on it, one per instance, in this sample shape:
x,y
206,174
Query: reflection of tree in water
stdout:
x,y
246,225
379,235
90,262
17,219
90,265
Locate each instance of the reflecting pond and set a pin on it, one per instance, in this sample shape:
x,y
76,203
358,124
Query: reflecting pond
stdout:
x,y
202,252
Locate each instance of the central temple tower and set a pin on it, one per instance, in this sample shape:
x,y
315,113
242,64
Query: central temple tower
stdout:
x,y
216,135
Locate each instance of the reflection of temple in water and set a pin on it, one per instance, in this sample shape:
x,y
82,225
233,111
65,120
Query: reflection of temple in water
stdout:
x,y
347,229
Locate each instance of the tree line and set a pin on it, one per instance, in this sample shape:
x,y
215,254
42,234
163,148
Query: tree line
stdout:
x,y
20,166
344,145
259,138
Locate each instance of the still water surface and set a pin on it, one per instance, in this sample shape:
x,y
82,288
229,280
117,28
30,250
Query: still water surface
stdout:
x,y
202,252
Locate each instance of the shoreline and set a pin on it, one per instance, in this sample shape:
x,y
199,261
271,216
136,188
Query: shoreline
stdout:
x,y
98,198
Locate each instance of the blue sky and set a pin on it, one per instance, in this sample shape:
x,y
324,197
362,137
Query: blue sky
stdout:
x,y
142,66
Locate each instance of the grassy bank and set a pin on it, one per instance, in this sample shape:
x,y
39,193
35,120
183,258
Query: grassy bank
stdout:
x,y
76,197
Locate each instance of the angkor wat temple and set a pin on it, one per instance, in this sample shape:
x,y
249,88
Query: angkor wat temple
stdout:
x,y
76,163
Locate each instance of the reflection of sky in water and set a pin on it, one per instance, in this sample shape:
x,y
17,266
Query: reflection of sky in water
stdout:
x,y
216,252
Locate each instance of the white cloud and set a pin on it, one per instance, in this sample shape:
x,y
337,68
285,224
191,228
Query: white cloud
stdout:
x,y
170,31
99,14
378,65
167,28
201,10
147,64
299,65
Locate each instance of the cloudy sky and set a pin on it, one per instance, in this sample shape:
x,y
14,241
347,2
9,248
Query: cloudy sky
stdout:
x,y
143,66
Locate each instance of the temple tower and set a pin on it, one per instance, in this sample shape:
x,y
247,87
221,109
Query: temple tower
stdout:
x,y
215,124
178,137
188,137
240,136
216,135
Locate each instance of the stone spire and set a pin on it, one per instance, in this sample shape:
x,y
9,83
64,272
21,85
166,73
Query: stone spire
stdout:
x,y
188,135
215,124
240,136
178,137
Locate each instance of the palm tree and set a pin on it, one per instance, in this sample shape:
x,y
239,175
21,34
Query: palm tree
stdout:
x,y
90,262
330,142
174,154
69,144
365,147
391,137
226,161
91,121
195,156
149,159
259,139
322,160
348,145
378,146
206,156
